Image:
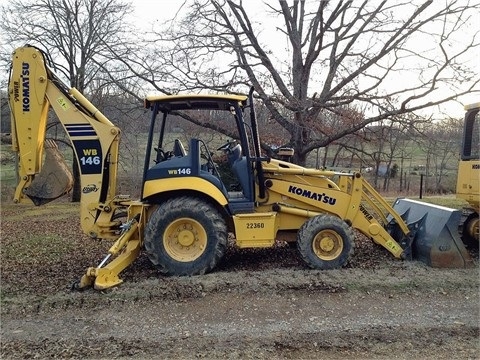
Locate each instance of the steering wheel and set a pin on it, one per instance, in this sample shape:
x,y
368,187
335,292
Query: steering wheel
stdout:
x,y
225,147
162,155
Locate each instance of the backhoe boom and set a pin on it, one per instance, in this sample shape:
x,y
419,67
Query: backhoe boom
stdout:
x,y
34,89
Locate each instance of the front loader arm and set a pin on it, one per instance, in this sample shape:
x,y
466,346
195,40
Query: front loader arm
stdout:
x,y
33,90
310,192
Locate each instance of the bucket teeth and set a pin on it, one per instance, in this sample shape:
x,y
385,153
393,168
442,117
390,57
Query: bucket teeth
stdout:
x,y
405,241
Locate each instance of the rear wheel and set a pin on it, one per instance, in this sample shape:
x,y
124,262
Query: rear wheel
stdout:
x,y
325,242
185,236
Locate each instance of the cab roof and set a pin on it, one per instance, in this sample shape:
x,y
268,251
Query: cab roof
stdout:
x,y
168,103
472,106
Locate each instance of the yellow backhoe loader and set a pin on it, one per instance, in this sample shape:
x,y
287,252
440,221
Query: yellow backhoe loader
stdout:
x,y
185,212
469,175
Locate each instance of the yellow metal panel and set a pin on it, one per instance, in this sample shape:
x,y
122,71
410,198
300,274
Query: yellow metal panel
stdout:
x,y
27,86
93,147
153,187
468,182
255,230
472,106
332,201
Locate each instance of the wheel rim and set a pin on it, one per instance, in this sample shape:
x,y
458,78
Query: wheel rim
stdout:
x,y
185,240
472,228
327,245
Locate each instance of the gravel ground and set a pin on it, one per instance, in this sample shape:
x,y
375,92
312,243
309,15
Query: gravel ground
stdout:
x,y
258,304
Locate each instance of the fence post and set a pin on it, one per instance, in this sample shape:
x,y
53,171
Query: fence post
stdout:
x,y
421,185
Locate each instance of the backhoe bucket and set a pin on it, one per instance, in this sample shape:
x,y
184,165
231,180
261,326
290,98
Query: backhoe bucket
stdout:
x,y
436,240
55,178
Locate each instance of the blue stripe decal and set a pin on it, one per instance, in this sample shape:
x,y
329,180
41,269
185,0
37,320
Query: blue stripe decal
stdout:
x,y
86,126
82,133
80,130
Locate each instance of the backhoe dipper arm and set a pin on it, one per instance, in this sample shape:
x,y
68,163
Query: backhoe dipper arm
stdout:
x,y
33,90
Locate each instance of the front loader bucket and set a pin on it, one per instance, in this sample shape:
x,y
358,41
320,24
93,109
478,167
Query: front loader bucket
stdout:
x,y
436,240
55,178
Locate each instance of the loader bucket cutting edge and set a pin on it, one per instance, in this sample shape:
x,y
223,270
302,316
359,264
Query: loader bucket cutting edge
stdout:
x,y
436,241
55,178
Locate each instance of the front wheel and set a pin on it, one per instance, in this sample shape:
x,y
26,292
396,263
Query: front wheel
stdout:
x,y
185,236
325,242
470,231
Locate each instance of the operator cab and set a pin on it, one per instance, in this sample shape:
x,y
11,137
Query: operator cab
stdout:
x,y
169,159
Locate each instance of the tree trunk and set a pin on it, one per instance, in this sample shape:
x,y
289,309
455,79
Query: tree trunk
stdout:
x,y
324,163
299,159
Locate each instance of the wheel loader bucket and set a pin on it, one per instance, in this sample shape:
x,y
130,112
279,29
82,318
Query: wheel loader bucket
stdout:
x,y
54,180
436,240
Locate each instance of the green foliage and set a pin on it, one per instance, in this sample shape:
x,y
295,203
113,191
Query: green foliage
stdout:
x,y
447,201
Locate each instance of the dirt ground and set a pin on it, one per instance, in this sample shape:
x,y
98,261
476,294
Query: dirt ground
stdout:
x,y
258,304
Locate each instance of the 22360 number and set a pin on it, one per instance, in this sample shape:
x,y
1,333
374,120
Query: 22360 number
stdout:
x,y
255,225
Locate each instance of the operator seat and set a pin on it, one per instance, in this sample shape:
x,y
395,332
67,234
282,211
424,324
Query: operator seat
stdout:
x,y
239,166
234,154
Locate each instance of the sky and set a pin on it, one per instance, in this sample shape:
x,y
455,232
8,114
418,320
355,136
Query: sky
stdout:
x,y
148,12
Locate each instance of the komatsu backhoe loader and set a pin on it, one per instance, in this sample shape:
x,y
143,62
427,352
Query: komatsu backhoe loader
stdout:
x,y
186,212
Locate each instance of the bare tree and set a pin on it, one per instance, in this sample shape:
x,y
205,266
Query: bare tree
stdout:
x,y
314,58
441,144
78,34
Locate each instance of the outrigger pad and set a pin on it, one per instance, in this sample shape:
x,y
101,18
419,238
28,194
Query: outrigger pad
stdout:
x,y
436,241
